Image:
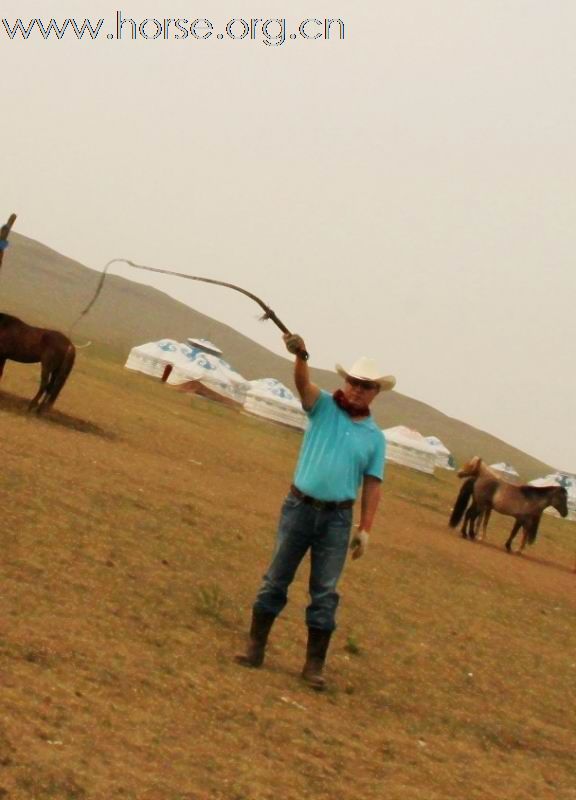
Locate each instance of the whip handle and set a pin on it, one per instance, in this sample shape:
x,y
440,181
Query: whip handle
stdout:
x,y
303,354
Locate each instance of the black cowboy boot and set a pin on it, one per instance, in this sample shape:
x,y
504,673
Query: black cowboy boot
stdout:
x,y
262,621
318,641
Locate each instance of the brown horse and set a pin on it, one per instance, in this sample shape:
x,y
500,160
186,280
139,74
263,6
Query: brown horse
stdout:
x,y
474,518
483,492
29,345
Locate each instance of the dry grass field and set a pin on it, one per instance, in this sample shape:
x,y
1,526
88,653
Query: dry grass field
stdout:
x,y
136,524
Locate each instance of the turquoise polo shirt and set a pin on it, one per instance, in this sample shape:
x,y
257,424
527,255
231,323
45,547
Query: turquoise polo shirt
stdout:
x,y
337,453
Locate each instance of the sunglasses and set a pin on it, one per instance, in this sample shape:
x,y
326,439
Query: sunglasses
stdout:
x,y
360,384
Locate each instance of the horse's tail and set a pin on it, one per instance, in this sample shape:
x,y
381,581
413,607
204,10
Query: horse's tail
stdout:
x,y
464,496
63,372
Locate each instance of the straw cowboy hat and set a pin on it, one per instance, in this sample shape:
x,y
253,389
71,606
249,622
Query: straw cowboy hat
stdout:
x,y
366,369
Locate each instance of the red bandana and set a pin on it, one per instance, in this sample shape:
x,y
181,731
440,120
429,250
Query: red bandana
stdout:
x,y
351,409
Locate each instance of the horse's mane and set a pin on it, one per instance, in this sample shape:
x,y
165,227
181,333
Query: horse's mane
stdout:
x,y
476,468
537,491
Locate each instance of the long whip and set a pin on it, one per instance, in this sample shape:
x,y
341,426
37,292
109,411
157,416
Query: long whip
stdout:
x,y
268,313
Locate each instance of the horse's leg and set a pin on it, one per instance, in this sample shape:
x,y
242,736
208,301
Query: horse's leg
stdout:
x,y
464,528
45,401
515,529
477,525
469,517
44,381
527,533
59,377
485,522
524,538
475,522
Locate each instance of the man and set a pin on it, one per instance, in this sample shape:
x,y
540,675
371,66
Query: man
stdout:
x,y
343,449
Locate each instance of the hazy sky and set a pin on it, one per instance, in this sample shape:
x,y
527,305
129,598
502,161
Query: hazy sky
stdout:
x,y
406,193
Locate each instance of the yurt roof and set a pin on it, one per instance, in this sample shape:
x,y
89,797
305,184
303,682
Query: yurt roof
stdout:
x,y
548,481
198,363
503,467
273,388
204,344
409,438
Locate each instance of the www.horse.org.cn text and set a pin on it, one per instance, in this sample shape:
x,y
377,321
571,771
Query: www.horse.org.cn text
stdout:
x,y
272,32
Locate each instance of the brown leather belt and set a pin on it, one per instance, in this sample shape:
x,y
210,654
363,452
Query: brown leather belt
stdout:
x,y
321,505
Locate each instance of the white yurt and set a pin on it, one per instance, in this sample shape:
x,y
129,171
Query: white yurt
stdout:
x,y
506,471
269,398
152,358
560,479
199,372
565,479
408,447
443,456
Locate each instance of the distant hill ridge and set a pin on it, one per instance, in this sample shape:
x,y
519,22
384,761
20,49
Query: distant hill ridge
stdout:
x,y
47,288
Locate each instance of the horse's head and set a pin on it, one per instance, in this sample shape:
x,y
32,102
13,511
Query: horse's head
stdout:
x,y
470,468
560,501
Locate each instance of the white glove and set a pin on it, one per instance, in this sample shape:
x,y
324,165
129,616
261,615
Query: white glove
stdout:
x,y
359,543
294,343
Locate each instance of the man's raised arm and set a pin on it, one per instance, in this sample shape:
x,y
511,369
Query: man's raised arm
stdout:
x,y
307,390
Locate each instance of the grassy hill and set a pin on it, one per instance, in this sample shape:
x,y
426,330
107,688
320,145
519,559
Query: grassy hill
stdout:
x,y
136,524
47,288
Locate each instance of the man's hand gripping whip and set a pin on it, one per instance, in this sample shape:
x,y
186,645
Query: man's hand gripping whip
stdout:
x,y
268,313
4,231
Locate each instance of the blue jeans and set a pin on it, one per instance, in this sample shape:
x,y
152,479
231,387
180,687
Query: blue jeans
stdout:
x,y
325,533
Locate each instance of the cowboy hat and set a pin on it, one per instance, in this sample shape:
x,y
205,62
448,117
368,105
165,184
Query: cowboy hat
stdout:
x,y
366,369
